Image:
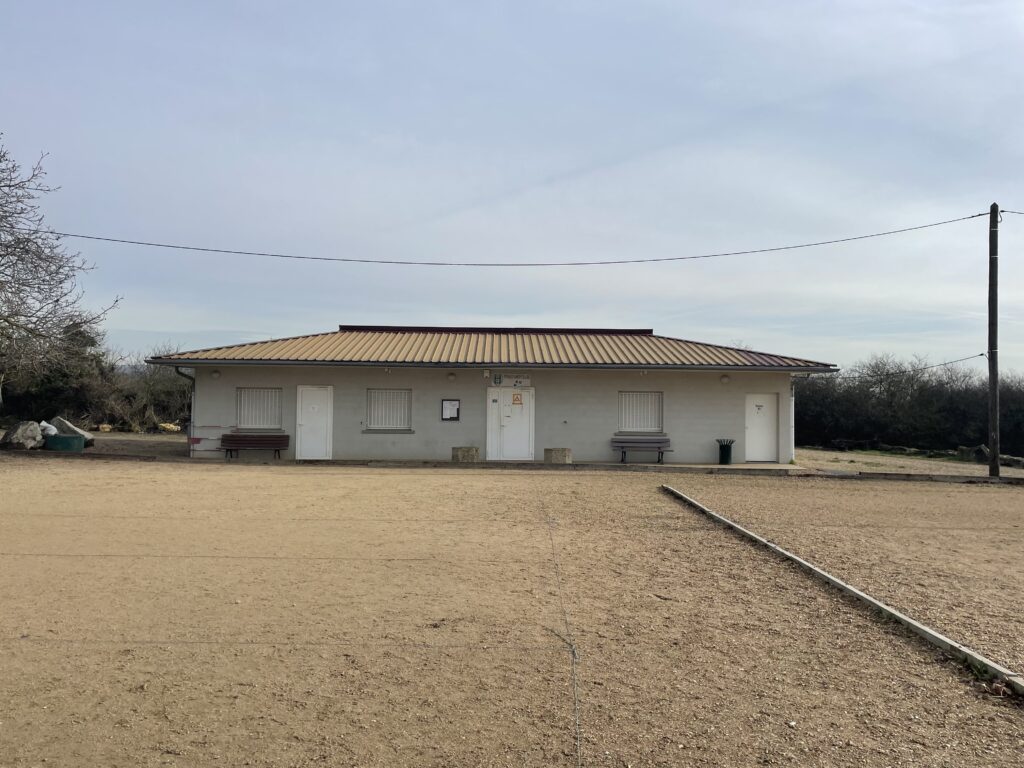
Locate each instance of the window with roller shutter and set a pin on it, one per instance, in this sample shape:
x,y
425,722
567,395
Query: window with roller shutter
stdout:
x,y
640,411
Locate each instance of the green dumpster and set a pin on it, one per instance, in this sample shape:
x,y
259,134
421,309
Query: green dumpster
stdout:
x,y
66,443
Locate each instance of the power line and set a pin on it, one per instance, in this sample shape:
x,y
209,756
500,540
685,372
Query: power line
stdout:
x,y
410,263
904,373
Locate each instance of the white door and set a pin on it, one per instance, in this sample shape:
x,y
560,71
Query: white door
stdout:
x,y
314,417
509,424
762,427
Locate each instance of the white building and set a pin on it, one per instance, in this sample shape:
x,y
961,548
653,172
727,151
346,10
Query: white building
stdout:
x,y
381,392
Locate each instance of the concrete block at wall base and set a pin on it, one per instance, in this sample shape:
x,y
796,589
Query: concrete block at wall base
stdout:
x,y
469,454
558,455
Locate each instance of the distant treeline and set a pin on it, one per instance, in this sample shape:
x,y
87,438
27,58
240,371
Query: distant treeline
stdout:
x,y
890,401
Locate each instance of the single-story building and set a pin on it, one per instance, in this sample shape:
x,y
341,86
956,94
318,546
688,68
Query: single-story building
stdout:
x,y
389,392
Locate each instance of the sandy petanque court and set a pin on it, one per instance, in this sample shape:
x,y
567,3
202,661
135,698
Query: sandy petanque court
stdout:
x,y
173,614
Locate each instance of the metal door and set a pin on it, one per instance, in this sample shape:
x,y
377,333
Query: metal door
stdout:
x,y
314,417
762,427
510,424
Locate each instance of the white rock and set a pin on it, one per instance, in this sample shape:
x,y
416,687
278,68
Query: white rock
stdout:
x,y
23,436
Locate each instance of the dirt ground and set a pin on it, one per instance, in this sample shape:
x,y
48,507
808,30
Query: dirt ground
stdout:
x,y
949,555
171,614
868,461
160,445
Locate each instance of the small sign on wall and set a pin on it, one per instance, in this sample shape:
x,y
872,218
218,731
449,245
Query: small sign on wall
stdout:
x,y
510,379
450,410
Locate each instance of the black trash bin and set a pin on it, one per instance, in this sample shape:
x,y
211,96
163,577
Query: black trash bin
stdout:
x,y
725,450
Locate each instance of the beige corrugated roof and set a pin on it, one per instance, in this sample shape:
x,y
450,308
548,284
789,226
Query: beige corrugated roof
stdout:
x,y
527,347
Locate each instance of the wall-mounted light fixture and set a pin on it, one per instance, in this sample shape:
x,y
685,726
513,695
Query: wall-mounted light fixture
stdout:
x,y
387,370
725,378
487,374
214,374
451,377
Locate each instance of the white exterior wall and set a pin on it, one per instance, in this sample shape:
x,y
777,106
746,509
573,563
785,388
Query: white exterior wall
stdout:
x,y
575,409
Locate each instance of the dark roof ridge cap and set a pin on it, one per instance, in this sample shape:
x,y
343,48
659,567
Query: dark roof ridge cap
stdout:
x,y
486,329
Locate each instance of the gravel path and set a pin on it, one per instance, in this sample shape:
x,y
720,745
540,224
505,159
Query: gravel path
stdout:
x,y
173,614
951,556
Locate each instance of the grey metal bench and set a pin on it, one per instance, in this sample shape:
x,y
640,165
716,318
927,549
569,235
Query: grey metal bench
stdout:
x,y
659,444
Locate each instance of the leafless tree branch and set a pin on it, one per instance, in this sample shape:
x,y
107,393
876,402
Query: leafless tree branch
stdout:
x,y
41,312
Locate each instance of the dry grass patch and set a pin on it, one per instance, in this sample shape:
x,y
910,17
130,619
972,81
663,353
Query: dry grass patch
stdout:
x,y
873,461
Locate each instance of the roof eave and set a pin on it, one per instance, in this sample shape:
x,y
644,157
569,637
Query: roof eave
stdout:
x,y
816,368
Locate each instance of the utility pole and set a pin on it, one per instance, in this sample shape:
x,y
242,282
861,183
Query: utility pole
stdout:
x,y
993,340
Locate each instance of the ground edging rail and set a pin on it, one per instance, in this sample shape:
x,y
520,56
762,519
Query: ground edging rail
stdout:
x,y
979,664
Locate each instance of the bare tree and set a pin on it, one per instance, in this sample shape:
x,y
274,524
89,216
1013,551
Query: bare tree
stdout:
x,y
41,313
140,396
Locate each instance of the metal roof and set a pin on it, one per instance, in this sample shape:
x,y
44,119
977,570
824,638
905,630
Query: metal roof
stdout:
x,y
492,347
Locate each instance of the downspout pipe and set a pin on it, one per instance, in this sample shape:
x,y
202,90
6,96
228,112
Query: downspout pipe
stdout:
x,y
192,406
177,370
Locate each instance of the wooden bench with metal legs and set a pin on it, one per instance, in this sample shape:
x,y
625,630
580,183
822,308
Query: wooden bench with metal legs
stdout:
x,y
650,443
233,442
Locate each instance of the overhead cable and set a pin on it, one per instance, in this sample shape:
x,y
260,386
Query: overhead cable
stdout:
x,y
907,371
504,264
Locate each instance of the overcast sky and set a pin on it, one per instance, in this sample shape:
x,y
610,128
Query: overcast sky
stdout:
x,y
534,131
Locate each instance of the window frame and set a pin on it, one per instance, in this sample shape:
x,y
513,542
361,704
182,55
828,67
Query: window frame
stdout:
x,y
624,430
279,391
386,429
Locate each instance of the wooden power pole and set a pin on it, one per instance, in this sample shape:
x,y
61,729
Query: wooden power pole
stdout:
x,y
993,341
